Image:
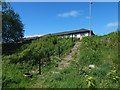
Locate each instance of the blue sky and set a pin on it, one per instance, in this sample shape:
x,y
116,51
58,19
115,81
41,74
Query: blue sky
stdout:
x,y
50,17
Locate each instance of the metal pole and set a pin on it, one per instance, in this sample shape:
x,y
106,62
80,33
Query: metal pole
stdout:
x,y
90,16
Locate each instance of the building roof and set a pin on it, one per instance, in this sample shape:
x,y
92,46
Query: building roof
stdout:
x,y
74,32
60,34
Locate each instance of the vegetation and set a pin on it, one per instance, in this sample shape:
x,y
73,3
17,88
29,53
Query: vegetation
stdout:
x,y
12,27
99,51
26,59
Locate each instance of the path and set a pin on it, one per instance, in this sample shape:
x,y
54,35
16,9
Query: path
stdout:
x,y
66,61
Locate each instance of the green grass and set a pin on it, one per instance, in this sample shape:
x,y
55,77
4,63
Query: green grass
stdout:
x,y
26,58
101,51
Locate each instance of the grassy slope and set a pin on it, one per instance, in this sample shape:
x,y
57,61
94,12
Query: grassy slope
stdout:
x,y
26,60
102,51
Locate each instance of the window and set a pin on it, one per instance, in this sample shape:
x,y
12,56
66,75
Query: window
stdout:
x,y
82,34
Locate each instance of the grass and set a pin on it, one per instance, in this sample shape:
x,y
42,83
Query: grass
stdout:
x,y
100,51
26,58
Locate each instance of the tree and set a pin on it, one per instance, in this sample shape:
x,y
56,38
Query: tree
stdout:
x,y
11,24
0,22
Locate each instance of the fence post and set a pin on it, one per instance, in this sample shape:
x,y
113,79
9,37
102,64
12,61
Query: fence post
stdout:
x,y
48,54
40,66
59,50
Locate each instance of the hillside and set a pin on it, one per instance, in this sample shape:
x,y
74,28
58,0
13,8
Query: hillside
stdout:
x,y
100,52
47,51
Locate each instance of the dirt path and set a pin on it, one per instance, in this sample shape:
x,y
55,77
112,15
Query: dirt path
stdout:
x,y
63,64
66,61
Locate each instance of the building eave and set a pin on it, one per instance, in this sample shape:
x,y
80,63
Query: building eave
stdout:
x,y
73,32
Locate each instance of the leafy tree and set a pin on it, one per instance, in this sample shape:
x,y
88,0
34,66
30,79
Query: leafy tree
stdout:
x,y
11,24
0,22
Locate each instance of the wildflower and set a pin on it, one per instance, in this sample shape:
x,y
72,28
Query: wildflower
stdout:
x,y
91,82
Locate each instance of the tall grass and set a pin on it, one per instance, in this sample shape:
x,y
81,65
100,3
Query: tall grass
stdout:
x,y
26,59
100,51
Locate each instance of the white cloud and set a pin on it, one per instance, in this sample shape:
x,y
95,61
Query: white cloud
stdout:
x,y
33,36
69,14
112,24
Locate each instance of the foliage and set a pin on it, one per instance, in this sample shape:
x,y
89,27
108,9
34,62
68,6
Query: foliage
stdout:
x,y
10,48
12,27
26,59
91,82
100,51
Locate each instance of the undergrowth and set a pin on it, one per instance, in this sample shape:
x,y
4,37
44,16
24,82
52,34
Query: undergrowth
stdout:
x,y
49,50
99,51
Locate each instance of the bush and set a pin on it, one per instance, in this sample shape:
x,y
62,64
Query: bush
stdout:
x,y
28,56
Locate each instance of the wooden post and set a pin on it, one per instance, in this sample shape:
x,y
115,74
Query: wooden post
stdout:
x,y
40,66
59,51
48,56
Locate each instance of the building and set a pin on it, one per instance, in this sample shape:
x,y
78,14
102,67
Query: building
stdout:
x,y
76,33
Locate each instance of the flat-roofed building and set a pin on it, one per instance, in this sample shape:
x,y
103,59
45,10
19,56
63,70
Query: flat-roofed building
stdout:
x,y
73,33
76,33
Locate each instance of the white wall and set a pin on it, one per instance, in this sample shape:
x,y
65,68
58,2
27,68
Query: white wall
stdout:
x,y
87,34
77,35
